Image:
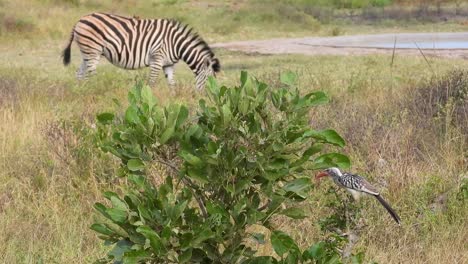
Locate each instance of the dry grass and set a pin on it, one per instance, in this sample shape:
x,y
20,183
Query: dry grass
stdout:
x,y
51,174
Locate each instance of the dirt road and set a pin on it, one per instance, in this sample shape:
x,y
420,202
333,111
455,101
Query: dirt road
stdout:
x,y
452,45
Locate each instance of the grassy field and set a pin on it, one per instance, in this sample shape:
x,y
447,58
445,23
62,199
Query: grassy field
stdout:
x,y
405,125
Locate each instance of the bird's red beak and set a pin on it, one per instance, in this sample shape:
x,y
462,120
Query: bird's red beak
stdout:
x,y
320,175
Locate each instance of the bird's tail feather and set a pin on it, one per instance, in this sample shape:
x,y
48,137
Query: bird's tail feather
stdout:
x,y
389,209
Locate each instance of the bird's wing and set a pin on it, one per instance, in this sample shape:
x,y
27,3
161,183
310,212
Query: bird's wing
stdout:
x,y
367,187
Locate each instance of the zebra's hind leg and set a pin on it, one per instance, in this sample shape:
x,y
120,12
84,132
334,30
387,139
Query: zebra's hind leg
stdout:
x,y
169,73
81,72
91,66
88,65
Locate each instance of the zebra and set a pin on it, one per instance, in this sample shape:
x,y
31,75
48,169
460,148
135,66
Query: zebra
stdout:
x,y
133,43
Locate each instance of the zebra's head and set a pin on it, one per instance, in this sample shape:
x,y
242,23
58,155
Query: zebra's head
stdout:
x,y
210,66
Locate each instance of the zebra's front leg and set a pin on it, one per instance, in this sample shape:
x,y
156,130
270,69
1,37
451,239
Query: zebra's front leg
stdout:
x,y
200,81
155,66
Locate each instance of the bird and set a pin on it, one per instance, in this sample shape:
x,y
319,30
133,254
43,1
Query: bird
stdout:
x,y
357,186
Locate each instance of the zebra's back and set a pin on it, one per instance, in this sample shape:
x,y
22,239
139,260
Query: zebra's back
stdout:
x,y
124,41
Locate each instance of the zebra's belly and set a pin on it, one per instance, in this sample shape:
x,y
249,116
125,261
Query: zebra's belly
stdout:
x,y
129,66
125,62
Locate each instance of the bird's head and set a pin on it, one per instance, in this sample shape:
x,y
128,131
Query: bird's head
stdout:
x,y
332,172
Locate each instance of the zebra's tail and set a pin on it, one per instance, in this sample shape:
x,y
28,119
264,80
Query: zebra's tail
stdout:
x,y
66,54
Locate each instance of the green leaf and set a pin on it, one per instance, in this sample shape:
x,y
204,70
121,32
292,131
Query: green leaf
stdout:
x,y
178,210
185,256
105,118
103,229
135,165
327,135
294,213
260,238
316,148
148,97
183,115
288,78
243,105
244,77
116,215
186,241
358,258
153,237
165,235
191,159
261,260
136,256
118,203
213,86
316,252
102,209
292,258
194,131
227,115
131,115
331,160
300,187
198,175
202,236
138,180
318,98
167,134
120,248
282,243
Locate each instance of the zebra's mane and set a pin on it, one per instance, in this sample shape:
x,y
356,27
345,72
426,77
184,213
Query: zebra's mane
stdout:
x,y
193,34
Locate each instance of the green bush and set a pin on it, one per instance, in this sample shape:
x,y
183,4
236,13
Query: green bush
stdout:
x,y
245,156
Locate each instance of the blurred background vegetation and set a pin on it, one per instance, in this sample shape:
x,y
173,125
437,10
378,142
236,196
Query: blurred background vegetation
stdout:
x,y
234,20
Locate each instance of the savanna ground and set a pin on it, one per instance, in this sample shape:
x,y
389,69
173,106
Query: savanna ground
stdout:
x,y
405,123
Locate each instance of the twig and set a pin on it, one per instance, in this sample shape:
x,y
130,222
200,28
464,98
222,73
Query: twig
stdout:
x,y
201,203
352,240
424,56
170,165
391,64
393,53
274,210
351,234
263,207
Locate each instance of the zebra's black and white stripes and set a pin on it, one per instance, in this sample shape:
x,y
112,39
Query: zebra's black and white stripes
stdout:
x,y
133,43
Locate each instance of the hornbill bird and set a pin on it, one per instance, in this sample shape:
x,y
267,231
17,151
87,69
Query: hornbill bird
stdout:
x,y
356,185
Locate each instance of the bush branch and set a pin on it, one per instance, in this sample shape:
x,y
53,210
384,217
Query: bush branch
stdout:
x,y
196,193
